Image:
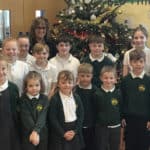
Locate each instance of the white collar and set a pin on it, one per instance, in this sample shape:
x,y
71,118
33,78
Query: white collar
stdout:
x,y
98,59
31,96
65,96
39,67
88,87
111,90
4,86
64,59
139,76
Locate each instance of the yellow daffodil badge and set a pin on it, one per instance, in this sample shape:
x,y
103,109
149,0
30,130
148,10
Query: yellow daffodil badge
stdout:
x,y
39,107
114,101
141,88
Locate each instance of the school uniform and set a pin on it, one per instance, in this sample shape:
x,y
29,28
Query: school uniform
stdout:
x,y
16,73
88,129
9,135
97,64
136,110
70,64
49,74
108,118
33,113
65,114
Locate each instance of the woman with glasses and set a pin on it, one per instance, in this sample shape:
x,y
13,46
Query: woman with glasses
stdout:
x,y
40,33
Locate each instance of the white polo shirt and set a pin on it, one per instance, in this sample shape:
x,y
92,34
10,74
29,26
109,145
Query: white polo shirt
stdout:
x,y
70,64
16,73
69,107
49,74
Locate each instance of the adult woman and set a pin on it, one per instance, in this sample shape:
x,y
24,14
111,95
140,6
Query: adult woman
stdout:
x,y
40,33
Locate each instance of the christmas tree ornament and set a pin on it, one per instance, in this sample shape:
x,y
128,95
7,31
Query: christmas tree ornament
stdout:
x,y
130,37
93,17
80,8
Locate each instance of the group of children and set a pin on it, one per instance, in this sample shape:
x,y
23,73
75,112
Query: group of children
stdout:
x,y
61,104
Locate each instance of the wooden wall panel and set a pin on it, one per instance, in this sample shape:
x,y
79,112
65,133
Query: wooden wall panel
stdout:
x,y
16,14
50,6
23,12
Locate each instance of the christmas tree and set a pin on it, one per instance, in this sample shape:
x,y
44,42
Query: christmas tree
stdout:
x,y
82,18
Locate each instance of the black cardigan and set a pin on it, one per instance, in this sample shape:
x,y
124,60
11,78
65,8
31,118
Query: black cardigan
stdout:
x,y
56,116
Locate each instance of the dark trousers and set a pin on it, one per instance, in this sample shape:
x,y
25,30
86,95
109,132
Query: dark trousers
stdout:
x,y
43,145
89,138
107,138
136,134
60,143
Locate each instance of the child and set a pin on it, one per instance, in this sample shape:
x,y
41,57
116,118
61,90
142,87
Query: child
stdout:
x,y
65,115
64,60
9,94
16,69
32,113
86,91
47,70
136,103
24,45
97,58
107,100
140,37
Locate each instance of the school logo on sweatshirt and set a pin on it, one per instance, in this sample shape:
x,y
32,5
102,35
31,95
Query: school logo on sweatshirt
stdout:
x,y
114,101
39,107
141,88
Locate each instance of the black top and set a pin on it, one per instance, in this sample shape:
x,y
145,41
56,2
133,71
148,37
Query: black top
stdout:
x,y
9,136
136,96
56,115
87,96
108,105
97,66
33,115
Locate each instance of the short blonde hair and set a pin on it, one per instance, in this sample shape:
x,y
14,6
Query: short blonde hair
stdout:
x,y
10,39
85,68
109,69
38,47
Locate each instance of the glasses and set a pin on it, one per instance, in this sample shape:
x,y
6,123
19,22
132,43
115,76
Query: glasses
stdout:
x,y
41,28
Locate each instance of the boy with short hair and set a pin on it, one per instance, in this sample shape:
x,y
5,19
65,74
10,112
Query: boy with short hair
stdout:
x,y
64,60
86,90
47,70
108,101
136,103
97,58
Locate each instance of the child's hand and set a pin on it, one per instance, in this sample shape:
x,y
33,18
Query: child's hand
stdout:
x,y
123,123
34,138
148,125
69,135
